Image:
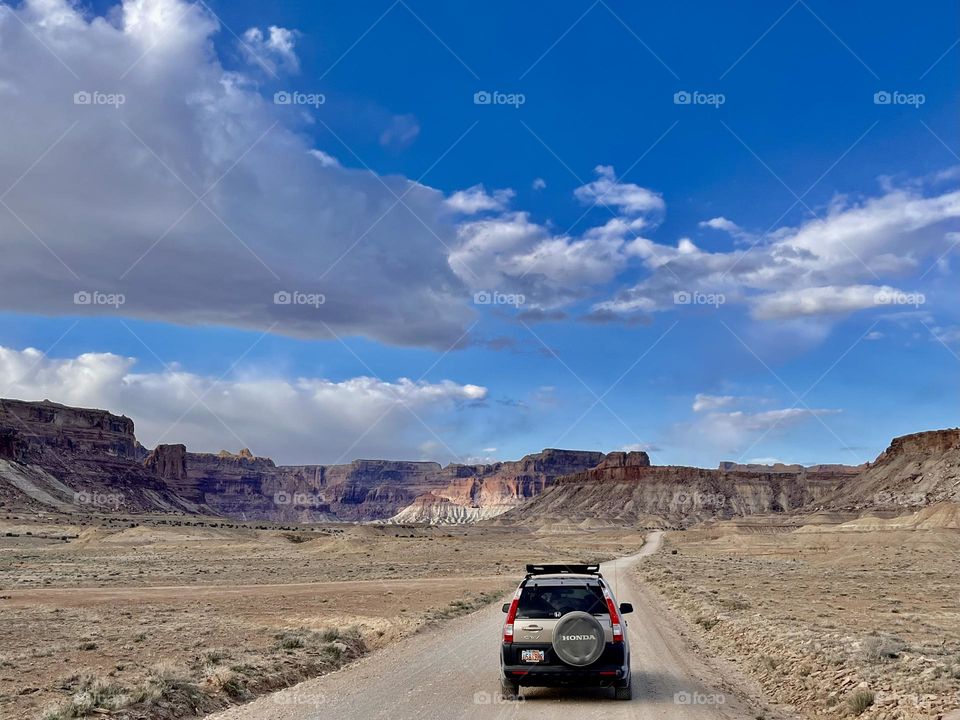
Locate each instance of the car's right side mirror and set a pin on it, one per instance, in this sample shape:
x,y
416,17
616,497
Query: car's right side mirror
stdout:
x,y
505,607
626,608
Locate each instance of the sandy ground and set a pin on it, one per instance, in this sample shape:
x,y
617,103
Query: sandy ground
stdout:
x,y
121,611
825,618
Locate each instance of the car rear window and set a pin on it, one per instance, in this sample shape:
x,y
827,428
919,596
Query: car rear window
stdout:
x,y
553,601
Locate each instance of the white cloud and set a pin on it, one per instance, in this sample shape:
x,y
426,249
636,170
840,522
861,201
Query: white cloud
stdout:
x,y
511,253
640,447
720,223
821,301
704,402
325,159
728,226
733,432
476,199
607,190
106,202
823,267
303,420
539,183
273,51
401,132
104,210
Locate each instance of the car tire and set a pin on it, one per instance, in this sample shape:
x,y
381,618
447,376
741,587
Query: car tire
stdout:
x,y
623,693
509,690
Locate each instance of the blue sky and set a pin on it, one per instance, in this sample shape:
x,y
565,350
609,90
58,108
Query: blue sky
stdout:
x,y
824,317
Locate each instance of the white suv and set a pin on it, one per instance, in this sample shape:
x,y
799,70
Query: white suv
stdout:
x,y
564,627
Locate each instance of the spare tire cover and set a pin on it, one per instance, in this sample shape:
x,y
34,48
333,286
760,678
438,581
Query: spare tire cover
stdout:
x,y
578,639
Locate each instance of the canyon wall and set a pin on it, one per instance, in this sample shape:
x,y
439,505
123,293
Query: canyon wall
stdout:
x,y
54,457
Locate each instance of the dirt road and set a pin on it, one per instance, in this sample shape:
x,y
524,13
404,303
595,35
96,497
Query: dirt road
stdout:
x,y
452,672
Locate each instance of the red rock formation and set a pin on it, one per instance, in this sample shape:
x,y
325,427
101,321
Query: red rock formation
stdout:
x,y
685,495
77,457
51,455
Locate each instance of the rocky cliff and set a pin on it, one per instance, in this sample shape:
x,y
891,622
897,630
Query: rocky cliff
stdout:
x,y
76,459
84,460
914,471
242,485
645,494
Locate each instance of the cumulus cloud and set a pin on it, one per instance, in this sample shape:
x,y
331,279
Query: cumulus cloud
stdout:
x,y
141,166
304,420
476,199
728,226
829,300
824,267
193,197
510,252
627,197
273,51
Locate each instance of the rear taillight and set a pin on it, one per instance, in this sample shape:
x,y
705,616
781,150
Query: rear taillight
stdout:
x,y
511,616
614,617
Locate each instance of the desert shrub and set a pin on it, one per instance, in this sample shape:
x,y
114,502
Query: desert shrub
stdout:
x,y
330,635
735,603
707,623
290,640
215,656
232,684
880,647
860,701
94,694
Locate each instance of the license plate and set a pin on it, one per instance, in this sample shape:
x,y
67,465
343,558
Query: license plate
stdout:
x,y
531,656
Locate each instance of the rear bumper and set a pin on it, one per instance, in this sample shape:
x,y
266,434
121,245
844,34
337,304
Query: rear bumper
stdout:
x,y
610,669
560,676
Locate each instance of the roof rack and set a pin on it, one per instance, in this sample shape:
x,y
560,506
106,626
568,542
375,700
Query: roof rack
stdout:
x,y
592,569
